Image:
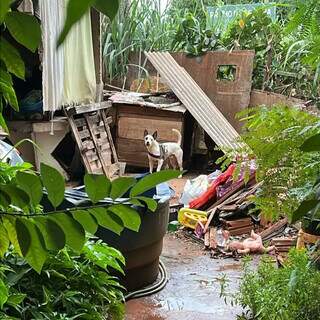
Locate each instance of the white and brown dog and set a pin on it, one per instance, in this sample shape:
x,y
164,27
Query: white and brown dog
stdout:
x,y
159,152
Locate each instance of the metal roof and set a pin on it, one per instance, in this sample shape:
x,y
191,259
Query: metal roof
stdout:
x,y
195,100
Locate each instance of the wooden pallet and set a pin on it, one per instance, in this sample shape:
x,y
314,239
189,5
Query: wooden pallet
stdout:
x,y
90,127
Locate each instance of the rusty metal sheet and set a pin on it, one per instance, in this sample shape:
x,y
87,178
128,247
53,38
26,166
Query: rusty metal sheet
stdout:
x,y
195,100
230,96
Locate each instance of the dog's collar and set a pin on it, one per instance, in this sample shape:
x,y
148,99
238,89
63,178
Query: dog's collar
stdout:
x,y
154,155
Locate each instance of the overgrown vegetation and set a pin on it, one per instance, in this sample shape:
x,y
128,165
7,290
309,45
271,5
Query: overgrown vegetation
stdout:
x,y
274,136
287,49
71,285
272,293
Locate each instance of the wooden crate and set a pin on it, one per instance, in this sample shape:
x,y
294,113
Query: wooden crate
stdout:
x,y
131,122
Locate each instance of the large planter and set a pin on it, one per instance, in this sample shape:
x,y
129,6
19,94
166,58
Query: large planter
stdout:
x,y
141,249
311,226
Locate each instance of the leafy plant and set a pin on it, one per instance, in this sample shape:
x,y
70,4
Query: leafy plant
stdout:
x,y
33,232
192,38
274,136
310,207
71,285
288,293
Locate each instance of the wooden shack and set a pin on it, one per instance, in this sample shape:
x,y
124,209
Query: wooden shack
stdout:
x,y
132,119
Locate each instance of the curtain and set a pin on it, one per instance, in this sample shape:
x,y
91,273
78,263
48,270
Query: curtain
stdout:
x,y
68,75
79,69
52,20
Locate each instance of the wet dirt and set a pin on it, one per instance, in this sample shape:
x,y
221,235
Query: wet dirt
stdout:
x,y
192,292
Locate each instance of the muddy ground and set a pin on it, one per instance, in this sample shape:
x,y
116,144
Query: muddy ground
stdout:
x,y
192,292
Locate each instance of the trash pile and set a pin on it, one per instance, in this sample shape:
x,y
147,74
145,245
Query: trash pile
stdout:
x,y
219,212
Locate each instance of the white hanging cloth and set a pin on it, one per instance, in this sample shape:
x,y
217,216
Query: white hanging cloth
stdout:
x,y
79,70
52,14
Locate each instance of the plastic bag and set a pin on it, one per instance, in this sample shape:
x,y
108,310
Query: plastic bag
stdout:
x,y
194,188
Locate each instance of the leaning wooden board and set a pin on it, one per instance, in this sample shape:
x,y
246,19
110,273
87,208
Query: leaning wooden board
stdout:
x,y
90,127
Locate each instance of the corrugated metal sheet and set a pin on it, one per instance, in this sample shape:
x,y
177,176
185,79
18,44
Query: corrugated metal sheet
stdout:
x,y
195,100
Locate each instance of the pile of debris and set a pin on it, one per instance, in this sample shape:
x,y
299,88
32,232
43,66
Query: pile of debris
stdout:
x,y
224,219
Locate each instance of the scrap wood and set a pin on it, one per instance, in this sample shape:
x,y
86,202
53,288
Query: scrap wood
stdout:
x,y
304,238
222,201
274,230
207,239
240,231
212,238
237,223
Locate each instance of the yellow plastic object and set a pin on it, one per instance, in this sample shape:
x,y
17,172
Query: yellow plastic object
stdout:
x,y
190,217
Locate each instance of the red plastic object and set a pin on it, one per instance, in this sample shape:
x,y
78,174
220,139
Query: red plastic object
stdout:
x,y
212,190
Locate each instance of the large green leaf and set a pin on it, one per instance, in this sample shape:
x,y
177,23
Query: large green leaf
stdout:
x,y
4,8
36,254
152,180
5,200
11,58
97,187
88,222
75,235
3,123
130,217
311,144
24,237
303,209
107,220
30,183
150,203
6,87
54,184
9,224
120,186
75,10
24,28
53,235
15,299
4,240
107,7
4,293
18,196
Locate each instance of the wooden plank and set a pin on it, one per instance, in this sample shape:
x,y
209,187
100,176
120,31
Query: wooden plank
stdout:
x,y
78,141
84,134
71,111
107,128
133,109
91,155
212,238
101,158
133,128
265,234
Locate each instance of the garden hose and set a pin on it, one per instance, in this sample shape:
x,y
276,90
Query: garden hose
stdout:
x,y
154,288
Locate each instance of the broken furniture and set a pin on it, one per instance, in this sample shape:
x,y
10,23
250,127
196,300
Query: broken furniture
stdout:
x,y
90,127
135,113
